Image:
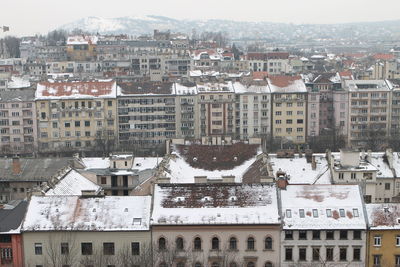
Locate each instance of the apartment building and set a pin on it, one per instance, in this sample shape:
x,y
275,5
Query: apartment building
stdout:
x,y
383,243
252,109
18,128
275,63
395,111
187,120
81,48
146,114
225,225
76,116
369,111
289,108
64,230
323,224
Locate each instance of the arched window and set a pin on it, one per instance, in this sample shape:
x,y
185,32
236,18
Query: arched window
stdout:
x,y
197,243
268,264
250,243
268,243
180,264
251,264
215,264
215,243
233,243
198,264
161,243
179,243
233,264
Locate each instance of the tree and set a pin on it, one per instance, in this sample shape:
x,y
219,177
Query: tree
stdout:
x,y
11,46
105,141
62,250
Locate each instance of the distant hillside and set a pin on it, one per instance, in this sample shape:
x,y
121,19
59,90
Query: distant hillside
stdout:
x,y
138,25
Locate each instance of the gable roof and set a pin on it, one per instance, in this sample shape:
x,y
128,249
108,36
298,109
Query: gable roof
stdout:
x,y
11,217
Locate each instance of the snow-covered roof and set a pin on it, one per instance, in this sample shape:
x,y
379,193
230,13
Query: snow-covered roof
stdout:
x,y
215,87
299,171
107,213
96,163
362,166
322,207
200,204
142,164
365,85
80,39
287,84
72,184
378,161
18,82
76,90
384,216
253,88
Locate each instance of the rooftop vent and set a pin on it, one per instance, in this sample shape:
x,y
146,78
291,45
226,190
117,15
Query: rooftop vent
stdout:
x,y
194,159
137,221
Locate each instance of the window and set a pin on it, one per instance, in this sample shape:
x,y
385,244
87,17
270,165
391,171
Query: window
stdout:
x,y
179,243
398,240
315,213
341,212
353,175
77,124
86,248
387,186
355,213
315,254
356,254
250,264
87,123
343,234
343,254
288,213
198,264
268,243
301,213
161,243
64,248
268,264
303,234
377,260
108,248
38,249
341,175
328,213
377,241
397,260
67,125
135,248
215,243
288,234
302,254
316,234
357,234
329,254
109,103
288,254
197,243
250,243
233,243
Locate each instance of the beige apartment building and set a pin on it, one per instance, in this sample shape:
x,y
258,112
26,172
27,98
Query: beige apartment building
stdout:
x,y
288,109
76,116
191,229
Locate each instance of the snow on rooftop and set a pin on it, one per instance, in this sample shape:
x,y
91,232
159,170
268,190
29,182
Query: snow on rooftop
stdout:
x,y
384,216
142,164
80,39
287,84
322,207
301,172
215,204
254,88
96,163
72,184
378,161
18,82
108,213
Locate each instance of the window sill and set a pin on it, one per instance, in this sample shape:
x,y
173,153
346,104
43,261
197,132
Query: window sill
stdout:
x,y
268,250
250,250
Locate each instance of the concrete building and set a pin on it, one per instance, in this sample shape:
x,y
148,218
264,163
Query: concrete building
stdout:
x,y
323,224
76,116
242,229
82,48
288,108
18,127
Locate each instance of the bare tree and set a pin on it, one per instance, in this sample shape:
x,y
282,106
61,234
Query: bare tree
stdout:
x,y
62,250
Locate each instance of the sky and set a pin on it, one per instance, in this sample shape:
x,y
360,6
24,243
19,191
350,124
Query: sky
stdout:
x,y
28,17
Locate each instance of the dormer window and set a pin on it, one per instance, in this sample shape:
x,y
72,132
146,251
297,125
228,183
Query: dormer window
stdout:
x,y
315,213
301,213
328,213
355,213
341,212
137,221
288,214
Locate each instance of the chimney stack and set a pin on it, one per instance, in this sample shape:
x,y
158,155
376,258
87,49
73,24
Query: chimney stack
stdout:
x,y
313,163
16,165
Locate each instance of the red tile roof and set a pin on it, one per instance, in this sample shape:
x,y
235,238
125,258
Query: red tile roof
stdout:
x,y
88,88
283,81
383,56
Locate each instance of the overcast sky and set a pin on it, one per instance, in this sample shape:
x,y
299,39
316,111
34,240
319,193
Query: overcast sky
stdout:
x,y
27,17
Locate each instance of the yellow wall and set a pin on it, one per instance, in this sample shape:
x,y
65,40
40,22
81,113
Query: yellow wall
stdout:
x,y
388,248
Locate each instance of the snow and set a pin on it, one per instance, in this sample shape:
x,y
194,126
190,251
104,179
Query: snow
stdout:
x,y
18,82
322,198
96,163
384,170
77,40
179,171
295,86
241,88
109,213
72,184
301,172
383,216
264,211
142,164
215,87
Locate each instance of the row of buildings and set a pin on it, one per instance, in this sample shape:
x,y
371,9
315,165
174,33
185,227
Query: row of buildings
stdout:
x,y
258,225
75,115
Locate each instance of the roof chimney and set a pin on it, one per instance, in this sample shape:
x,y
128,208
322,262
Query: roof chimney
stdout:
x,y
16,165
313,163
282,182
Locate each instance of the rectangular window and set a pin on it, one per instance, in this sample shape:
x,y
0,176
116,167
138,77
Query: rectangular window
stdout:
x,y
108,248
289,254
343,254
38,249
329,254
303,234
315,213
398,240
288,234
341,212
301,213
353,175
357,234
343,234
330,235
77,124
355,213
316,234
356,254
288,214
387,186
328,213
135,248
341,175
377,241
377,260
64,248
302,254
315,254
86,248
